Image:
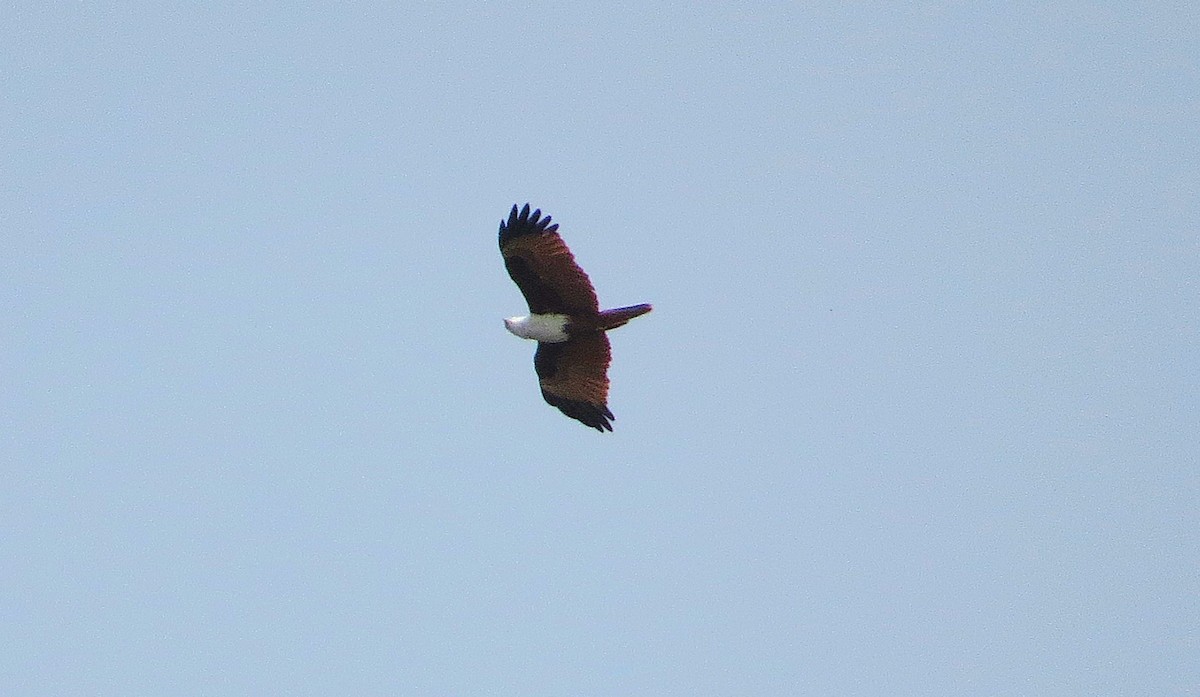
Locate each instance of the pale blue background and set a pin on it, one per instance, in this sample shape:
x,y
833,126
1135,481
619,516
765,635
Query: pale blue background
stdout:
x,y
916,413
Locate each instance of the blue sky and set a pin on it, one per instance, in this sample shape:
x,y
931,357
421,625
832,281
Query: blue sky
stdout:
x,y
916,411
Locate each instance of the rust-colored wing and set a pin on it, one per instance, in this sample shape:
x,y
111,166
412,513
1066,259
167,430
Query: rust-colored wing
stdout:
x,y
574,378
542,266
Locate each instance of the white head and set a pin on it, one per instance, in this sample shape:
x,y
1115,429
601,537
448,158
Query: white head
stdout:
x,y
550,328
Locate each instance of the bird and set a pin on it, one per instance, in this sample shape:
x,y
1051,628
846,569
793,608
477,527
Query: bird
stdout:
x,y
573,353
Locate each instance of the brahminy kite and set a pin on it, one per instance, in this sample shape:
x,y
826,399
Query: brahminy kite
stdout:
x,y
564,317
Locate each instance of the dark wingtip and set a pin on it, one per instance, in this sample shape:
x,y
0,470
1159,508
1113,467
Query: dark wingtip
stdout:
x,y
512,220
596,416
523,222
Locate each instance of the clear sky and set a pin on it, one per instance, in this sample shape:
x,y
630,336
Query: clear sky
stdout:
x,y
917,410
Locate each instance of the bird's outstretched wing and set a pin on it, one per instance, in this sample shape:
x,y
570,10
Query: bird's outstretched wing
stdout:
x,y
574,377
542,267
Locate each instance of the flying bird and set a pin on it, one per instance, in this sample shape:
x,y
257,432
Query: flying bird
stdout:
x,y
564,317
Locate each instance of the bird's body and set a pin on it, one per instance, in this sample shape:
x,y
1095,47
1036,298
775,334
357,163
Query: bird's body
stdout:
x,y
564,317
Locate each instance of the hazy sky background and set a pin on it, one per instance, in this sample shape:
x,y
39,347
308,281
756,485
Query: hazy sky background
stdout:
x,y
917,411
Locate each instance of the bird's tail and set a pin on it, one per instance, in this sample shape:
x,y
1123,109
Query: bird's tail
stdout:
x,y
611,319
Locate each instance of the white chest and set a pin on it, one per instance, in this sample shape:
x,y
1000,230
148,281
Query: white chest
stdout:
x,y
549,328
